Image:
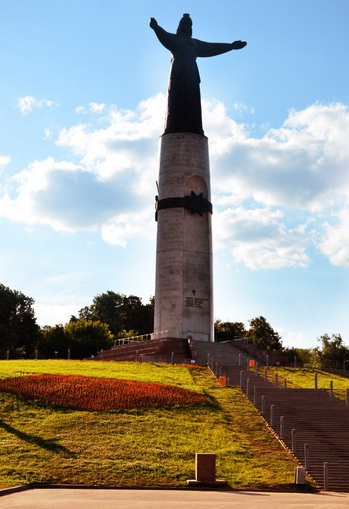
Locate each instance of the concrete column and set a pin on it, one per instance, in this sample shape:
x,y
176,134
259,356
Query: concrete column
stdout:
x,y
184,283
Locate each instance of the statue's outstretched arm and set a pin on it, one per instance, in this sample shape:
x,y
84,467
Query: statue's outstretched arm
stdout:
x,y
211,49
164,37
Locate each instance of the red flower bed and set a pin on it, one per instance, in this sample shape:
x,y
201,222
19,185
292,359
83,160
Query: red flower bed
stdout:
x,y
98,394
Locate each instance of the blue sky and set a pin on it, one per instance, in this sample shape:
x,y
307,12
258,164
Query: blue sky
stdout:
x,y
82,104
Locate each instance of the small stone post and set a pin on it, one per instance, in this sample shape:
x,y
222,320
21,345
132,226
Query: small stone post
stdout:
x,y
263,404
300,474
326,477
205,470
272,415
293,433
282,427
315,381
248,387
306,457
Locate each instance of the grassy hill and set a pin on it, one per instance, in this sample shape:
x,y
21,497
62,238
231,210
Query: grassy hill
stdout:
x,y
137,447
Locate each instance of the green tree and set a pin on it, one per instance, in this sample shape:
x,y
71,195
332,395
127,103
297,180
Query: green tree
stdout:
x,y
225,331
53,339
19,331
263,335
86,337
120,312
333,353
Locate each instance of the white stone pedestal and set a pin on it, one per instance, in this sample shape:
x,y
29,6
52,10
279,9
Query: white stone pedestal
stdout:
x,y
183,289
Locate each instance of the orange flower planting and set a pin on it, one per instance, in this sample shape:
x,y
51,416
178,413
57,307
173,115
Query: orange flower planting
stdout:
x,y
98,394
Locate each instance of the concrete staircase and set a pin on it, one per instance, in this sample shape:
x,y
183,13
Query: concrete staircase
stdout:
x,y
310,416
223,353
170,350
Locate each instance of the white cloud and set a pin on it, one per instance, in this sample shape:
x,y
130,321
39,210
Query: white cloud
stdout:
x,y
334,242
301,165
28,103
274,197
92,107
259,239
4,161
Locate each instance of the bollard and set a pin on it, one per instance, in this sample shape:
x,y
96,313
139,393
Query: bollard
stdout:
x,y
266,373
248,387
255,395
282,427
326,477
36,354
263,404
239,359
285,383
256,371
315,381
228,381
68,353
272,416
8,354
293,434
276,380
331,389
300,475
295,362
306,457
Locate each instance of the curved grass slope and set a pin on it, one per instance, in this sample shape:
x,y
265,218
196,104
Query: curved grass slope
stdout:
x,y
137,447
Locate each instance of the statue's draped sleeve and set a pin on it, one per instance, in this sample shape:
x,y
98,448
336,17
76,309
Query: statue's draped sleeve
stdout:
x,y
166,39
211,49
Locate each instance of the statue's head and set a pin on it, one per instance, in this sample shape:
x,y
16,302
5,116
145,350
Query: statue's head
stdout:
x,y
185,25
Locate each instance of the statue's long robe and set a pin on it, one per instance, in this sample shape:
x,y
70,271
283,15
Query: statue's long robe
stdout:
x,y
184,102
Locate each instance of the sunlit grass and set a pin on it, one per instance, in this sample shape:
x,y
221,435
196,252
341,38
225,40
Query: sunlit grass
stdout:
x,y
143,372
142,447
305,378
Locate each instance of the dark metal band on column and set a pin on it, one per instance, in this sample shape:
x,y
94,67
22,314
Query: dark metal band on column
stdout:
x,y
194,203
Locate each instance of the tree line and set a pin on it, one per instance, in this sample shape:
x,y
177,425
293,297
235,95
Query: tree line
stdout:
x,y
113,315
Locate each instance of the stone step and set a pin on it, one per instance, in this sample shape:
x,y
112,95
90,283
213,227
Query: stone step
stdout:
x,y
320,421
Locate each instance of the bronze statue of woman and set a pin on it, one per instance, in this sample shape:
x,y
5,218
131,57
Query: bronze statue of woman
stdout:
x,y
184,103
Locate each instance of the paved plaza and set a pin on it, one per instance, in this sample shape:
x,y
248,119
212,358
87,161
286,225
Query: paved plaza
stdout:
x,y
169,499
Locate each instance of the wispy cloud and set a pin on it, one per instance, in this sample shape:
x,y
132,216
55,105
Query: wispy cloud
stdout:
x,y
276,198
4,161
28,103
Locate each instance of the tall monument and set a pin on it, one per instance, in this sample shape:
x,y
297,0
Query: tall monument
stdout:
x,y
184,282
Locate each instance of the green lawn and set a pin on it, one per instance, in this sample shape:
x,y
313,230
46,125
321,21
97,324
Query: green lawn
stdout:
x,y
305,378
144,447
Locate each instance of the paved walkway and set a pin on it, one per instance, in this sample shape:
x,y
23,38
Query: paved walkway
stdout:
x,y
169,499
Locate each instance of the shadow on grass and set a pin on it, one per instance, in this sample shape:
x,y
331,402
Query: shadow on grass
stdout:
x,y
49,445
